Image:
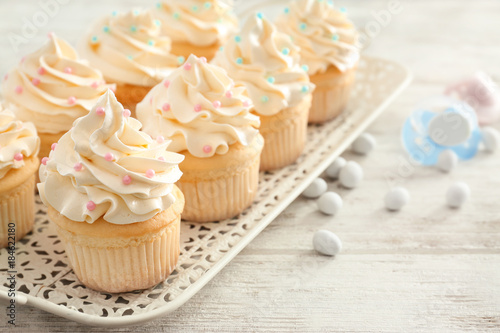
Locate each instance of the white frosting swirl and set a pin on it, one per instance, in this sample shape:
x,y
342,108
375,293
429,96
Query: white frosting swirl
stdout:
x,y
129,48
269,66
198,22
105,166
16,137
200,109
52,87
324,34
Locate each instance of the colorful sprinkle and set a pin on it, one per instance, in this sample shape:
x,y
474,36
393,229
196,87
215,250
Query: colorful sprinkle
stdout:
x,y
45,160
259,15
126,180
105,29
246,103
335,37
203,60
166,83
305,68
194,8
35,81
19,90
22,59
180,59
136,12
151,42
6,76
18,157
166,107
197,107
94,85
130,57
343,9
161,158
207,5
50,34
109,157
78,166
302,26
304,89
114,13
177,16
207,149
286,10
221,48
68,70
53,146
158,5
264,99
126,113
239,61
133,28
157,23
285,51
150,173
229,94
237,39
216,104
187,66
160,139
270,79
71,100
91,205
94,39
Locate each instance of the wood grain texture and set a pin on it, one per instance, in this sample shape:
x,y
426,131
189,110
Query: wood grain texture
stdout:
x,y
424,269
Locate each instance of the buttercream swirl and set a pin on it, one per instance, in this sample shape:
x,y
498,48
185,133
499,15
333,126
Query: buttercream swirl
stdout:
x,y
16,138
129,48
52,87
200,109
198,22
267,63
324,34
104,166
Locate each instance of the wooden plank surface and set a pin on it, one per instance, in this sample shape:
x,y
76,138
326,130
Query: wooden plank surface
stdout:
x,y
425,269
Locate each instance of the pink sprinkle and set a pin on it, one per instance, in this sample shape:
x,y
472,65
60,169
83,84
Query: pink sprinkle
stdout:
x,y
41,71
18,157
150,173
113,88
187,66
19,90
197,107
100,111
216,104
161,158
71,100
35,81
160,139
91,205
78,166
126,113
45,160
22,59
109,157
53,146
246,103
6,76
126,180
229,94
203,60
68,70
94,85
207,149
50,34
151,100
166,107
166,83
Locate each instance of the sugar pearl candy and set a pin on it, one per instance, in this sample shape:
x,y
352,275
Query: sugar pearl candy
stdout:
x,y
491,139
329,203
327,243
364,144
447,160
396,198
317,188
351,175
457,194
334,169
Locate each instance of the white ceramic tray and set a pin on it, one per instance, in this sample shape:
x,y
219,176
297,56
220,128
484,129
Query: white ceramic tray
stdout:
x,y
45,280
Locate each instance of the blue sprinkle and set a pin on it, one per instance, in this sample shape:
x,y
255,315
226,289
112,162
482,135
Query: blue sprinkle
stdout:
x,y
133,28
302,26
151,42
343,10
136,12
259,15
237,39
286,10
94,39
180,59
335,37
157,23
195,8
239,61
158,5
130,57
264,99
105,28
304,89
330,2
305,68
176,16
285,51
207,5
221,48
270,79
114,13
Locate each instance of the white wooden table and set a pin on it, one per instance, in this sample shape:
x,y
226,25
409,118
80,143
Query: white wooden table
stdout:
x,y
426,268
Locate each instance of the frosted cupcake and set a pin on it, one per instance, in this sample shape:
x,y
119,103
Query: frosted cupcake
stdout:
x,y
197,27
208,119
19,145
327,40
267,63
51,88
109,190
131,51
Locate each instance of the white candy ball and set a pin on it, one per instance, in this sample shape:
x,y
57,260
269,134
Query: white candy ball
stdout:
x,y
329,203
447,160
457,194
396,198
327,243
333,170
491,139
351,175
364,144
317,188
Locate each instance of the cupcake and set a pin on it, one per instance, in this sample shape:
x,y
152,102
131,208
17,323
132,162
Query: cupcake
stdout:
x,y
51,88
131,51
110,191
197,27
208,119
327,40
267,63
19,145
